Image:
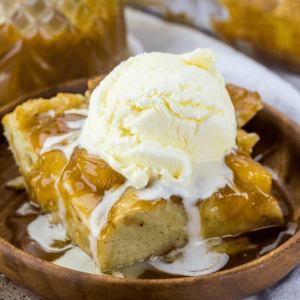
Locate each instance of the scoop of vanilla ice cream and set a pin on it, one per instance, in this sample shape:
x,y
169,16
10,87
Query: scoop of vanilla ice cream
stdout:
x,y
157,115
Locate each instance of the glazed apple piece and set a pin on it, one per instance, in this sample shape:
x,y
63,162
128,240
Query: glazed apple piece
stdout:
x,y
246,141
42,180
93,83
246,205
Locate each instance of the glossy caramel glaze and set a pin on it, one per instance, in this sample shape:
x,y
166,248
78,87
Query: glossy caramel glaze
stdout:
x,y
84,182
245,205
42,179
47,126
44,44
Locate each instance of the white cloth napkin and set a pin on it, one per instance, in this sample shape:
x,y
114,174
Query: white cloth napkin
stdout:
x,y
157,35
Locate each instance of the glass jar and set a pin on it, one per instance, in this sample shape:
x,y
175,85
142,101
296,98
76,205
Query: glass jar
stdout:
x,y
47,42
268,30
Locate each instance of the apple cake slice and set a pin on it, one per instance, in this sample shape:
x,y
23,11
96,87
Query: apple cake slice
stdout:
x,y
71,184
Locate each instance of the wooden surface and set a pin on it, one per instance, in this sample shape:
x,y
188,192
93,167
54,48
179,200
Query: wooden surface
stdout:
x,y
280,142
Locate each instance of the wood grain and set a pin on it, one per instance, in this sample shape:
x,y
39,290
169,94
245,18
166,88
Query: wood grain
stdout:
x,y
280,143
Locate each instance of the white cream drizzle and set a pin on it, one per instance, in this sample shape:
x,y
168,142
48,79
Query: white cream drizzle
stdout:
x,y
100,213
46,233
207,177
99,216
26,208
77,111
195,259
75,124
68,151
53,142
78,260
51,113
291,229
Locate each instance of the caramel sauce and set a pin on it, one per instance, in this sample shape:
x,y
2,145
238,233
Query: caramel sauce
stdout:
x,y
47,126
43,178
83,180
44,45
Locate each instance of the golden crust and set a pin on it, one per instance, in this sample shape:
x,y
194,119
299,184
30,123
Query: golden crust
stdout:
x,y
26,113
246,103
17,124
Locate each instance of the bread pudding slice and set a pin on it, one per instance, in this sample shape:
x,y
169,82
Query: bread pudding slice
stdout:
x,y
136,230
72,185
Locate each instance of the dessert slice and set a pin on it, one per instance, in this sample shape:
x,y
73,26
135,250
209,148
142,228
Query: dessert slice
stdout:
x,y
137,230
71,184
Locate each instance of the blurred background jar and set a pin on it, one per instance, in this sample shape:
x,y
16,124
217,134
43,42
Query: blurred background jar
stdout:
x,y
266,30
47,42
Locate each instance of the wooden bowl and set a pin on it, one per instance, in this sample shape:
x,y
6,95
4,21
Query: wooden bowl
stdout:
x,y
280,143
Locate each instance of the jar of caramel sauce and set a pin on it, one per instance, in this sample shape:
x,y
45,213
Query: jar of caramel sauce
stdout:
x,y
47,42
267,30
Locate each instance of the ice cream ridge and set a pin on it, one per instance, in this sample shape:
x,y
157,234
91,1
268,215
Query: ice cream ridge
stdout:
x,y
165,122
157,169
159,115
